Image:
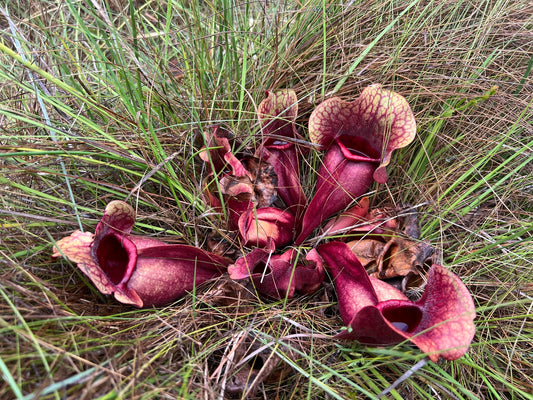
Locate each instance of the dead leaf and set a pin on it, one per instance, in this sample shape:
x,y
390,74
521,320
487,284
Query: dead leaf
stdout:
x,y
264,180
397,252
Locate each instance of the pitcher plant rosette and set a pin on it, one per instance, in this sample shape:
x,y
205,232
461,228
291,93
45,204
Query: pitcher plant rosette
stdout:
x,y
260,197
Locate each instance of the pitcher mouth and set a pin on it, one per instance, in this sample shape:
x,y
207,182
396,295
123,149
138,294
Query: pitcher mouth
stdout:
x,y
357,149
116,256
405,318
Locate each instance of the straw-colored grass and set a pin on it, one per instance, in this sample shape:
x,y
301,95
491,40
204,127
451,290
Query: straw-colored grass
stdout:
x,y
105,100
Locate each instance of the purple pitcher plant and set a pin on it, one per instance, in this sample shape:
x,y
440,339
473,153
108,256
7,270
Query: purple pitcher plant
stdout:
x,y
138,270
359,138
376,313
262,202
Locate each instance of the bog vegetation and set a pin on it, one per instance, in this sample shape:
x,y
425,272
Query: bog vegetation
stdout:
x,y
110,100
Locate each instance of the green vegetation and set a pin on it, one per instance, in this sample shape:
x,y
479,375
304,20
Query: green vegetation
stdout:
x,y
106,100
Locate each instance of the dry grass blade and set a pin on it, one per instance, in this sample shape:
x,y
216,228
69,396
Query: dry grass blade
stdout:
x,y
112,97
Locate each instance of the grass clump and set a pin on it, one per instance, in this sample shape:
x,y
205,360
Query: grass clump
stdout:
x,y
107,100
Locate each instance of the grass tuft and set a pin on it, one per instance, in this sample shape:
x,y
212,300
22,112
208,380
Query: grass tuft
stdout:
x,y
106,100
